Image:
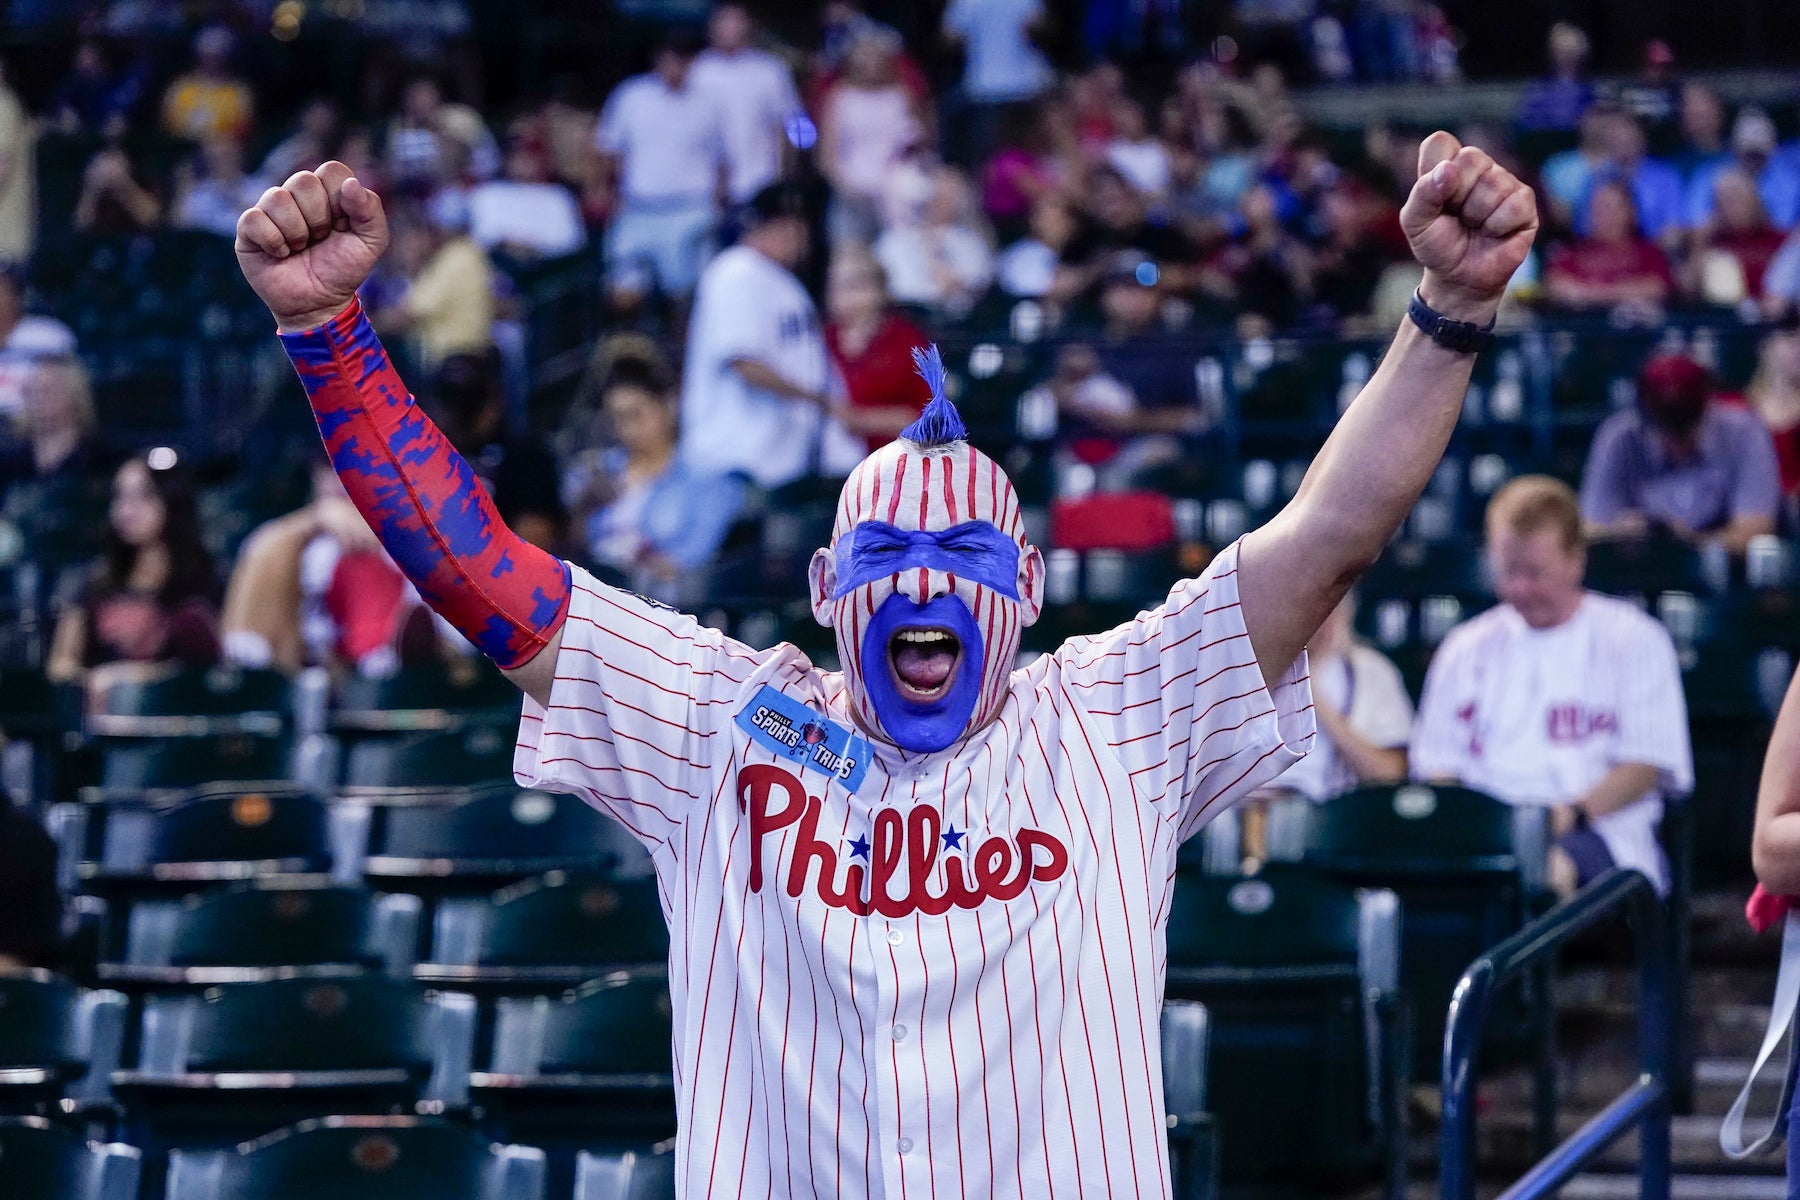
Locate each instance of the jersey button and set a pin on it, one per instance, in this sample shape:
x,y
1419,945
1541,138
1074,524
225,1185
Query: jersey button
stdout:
x,y
899,1033
904,1145
895,937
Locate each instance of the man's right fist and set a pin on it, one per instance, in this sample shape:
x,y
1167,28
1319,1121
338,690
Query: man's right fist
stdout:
x,y
309,244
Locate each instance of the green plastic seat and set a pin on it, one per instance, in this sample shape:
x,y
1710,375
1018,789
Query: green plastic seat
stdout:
x,y
478,756
41,1161
134,765
1299,976
362,1158
193,702
474,842
423,697
57,1041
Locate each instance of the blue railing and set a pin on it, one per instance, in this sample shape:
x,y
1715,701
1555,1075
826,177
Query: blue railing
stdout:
x,y
1645,1104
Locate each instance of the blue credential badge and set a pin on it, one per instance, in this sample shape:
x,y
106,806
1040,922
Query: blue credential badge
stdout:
x,y
797,734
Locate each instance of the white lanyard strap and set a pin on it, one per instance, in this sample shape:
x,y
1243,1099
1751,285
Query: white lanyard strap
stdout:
x,y
1781,1016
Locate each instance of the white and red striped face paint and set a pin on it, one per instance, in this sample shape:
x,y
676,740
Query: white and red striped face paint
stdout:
x,y
934,490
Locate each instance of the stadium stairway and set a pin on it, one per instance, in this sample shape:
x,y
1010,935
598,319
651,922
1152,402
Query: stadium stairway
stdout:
x,y
1730,985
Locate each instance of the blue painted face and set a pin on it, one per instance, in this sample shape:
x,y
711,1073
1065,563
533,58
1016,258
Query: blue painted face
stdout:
x,y
922,727
974,550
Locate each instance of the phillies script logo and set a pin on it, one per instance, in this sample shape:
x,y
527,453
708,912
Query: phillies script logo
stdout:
x,y
898,848
1573,723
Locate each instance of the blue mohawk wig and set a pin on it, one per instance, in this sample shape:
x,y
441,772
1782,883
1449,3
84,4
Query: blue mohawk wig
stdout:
x,y
940,423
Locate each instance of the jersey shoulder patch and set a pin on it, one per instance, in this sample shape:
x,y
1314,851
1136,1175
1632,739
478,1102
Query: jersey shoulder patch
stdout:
x,y
805,737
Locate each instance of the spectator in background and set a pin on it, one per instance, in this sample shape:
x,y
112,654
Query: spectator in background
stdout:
x,y
434,141
1774,396
112,200
1033,267
1348,266
25,339
1653,96
53,472
753,91
527,215
448,305
757,380
944,259
212,190
1615,265
1702,132
18,176
642,510
95,98
1365,716
315,138
1003,69
315,588
1556,102
1656,189
872,347
31,935
1265,270
149,603
519,472
663,140
1734,248
869,126
1134,153
1567,177
1036,158
1753,153
1116,219
210,100
1559,697
1680,462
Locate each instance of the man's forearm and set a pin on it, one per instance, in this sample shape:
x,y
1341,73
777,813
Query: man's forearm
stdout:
x,y
761,375
1775,849
1623,785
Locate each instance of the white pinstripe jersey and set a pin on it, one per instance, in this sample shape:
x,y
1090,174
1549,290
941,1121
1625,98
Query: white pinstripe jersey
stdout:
x,y
948,983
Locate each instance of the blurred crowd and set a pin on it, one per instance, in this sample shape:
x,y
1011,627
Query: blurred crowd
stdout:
x,y
913,186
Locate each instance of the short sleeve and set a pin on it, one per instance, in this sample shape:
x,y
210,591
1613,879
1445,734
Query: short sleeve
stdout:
x,y
638,711
1603,491
1652,713
1179,698
1440,740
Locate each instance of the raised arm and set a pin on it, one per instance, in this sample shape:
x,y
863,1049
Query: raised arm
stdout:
x,y
305,248
1470,224
1775,849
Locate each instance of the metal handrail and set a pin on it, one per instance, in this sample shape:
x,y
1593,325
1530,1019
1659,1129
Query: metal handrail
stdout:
x,y
1644,1104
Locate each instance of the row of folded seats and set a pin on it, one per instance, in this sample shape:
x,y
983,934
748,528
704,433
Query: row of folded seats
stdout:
x,y
247,993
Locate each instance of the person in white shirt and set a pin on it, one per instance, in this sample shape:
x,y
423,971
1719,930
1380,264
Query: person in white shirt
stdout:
x,y
1559,696
942,258
754,91
1364,714
757,381
664,142
527,214
1002,69
25,339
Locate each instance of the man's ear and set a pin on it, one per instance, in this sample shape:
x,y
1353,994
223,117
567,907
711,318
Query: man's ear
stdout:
x,y
821,581
1031,585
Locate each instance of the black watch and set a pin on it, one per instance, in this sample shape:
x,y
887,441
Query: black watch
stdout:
x,y
1464,337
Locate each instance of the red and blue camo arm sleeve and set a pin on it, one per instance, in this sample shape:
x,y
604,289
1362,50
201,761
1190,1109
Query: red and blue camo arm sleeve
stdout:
x,y
422,500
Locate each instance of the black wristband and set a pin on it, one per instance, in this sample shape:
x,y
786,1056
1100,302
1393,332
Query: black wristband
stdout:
x,y
1464,337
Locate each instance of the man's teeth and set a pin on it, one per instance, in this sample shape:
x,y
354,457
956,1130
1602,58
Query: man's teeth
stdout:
x,y
923,636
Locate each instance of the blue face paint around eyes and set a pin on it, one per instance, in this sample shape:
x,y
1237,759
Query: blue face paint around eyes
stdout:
x,y
974,550
922,728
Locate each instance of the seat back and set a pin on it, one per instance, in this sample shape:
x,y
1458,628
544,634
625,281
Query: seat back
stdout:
x,y
420,692
362,1158
136,764
495,832
584,919
40,1023
235,698
615,1026
40,1161
1185,1031
476,757
364,1023
255,832
628,1175
1295,972
1414,825
275,926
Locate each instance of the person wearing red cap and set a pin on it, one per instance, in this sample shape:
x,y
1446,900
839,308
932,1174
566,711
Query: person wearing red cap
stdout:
x,y
1680,463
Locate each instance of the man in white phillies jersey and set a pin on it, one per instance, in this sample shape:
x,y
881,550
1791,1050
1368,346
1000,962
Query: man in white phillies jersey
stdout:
x,y
916,905
1559,696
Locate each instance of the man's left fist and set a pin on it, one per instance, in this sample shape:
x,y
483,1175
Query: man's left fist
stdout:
x,y
1470,223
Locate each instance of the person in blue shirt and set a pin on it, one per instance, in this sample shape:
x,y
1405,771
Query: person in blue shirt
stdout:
x,y
1753,149
1557,101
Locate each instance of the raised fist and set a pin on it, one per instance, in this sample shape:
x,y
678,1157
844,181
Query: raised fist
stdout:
x,y
309,244
1470,223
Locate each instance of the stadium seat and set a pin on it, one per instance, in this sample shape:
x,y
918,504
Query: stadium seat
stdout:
x,y
626,1175
1193,1150
547,934
479,756
1300,977
1468,870
256,1056
593,1064
57,1041
361,1158
41,1161
192,703
252,930
1644,567
132,766
423,698
472,843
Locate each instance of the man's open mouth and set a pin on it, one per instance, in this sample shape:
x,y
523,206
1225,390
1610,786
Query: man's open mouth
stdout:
x,y
923,662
